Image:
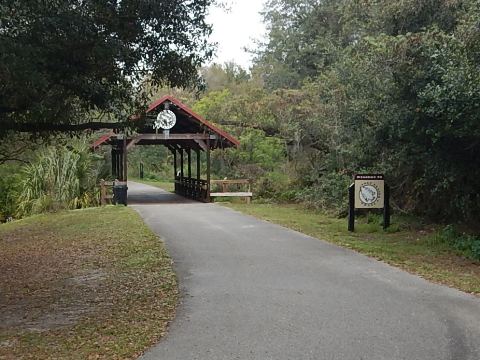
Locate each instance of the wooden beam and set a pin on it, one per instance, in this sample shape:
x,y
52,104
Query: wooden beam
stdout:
x,y
132,142
174,137
47,127
232,194
202,144
239,181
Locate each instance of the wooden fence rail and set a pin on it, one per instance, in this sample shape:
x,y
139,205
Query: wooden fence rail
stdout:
x,y
225,184
191,188
106,192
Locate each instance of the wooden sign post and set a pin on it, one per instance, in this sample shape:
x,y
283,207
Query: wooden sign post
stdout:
x,y
368,191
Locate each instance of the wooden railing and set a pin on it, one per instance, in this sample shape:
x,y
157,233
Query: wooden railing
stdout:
x,y
106,192
226,192
191,188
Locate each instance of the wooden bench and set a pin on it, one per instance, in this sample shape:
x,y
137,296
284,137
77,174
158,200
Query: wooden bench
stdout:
x,y
225,193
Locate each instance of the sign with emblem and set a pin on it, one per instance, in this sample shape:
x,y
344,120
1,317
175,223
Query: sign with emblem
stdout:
x,y
369,191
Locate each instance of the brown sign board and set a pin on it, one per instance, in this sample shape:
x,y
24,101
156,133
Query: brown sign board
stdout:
x,y
369,191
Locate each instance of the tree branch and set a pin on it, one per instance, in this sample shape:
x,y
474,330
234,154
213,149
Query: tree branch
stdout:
x,y
39,128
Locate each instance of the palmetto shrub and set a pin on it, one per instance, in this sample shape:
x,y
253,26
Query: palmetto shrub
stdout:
x,y
466,244
60,178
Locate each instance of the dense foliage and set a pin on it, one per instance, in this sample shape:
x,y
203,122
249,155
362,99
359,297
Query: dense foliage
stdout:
x,y
69,62
343,87
467,245
338,88
56,177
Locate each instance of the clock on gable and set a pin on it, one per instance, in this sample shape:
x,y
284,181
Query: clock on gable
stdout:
x,y
166,120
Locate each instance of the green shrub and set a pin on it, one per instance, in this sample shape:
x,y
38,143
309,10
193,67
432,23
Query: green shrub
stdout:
x,y
393,228
60,178
10,181
272,185
288,195
152,176
373,218
467,245
330,193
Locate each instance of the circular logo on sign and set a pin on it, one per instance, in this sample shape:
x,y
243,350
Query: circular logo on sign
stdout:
x,y
368,193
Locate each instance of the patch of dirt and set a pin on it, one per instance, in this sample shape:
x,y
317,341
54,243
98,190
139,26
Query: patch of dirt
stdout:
x,y
63,305
43,282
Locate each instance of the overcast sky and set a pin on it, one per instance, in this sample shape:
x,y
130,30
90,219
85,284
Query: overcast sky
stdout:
x,y
235,29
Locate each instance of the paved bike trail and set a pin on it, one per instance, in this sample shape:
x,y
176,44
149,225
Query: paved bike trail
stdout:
x,y
255,290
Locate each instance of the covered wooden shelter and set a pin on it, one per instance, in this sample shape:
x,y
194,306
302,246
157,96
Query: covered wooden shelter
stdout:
x,y
190,134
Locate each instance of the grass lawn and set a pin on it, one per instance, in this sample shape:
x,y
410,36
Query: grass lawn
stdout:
x,y
407,246
83,284
163,184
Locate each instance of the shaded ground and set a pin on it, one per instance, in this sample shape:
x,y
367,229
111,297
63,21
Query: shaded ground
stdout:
x,y
138,195
255,290
82,284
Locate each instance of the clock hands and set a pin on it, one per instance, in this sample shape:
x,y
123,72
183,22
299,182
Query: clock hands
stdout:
x,y
166,120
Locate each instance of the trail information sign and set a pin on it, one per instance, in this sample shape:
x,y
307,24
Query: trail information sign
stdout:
x,y
368,191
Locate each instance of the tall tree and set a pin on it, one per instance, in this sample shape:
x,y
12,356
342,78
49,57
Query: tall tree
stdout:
x,y
68,61
387,86
302,37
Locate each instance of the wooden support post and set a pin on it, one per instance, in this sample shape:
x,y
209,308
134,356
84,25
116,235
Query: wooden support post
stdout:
x,y
119,164
114,170
198,164
118,161
181,164
174,151
386,207
208,170
351,207
189,159
249,189
119,173
125,169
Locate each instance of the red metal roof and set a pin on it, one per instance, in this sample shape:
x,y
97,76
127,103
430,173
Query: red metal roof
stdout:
x,y
196,116
104,138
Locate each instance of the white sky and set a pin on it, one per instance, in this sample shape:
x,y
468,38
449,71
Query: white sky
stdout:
x,y
236,29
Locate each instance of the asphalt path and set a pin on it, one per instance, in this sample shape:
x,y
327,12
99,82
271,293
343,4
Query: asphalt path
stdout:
x,y
255,290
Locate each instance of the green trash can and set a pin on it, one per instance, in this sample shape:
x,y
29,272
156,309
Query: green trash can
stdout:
x,y
120,193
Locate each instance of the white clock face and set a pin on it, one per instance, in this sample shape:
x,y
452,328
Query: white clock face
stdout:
x,y
166,120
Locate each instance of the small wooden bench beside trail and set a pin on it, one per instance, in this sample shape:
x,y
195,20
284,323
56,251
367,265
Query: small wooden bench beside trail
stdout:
x,y
238,183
